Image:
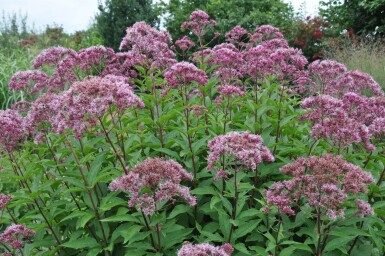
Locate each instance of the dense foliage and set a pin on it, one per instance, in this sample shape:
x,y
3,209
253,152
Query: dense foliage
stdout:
x,y
363,17
237,149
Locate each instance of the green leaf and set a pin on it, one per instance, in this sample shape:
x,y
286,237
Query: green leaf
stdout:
x,y
81,243
121,218
179,209
84,220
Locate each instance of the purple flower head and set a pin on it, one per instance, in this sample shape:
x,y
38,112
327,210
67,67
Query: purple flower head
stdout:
x,y
4,200
199,22
205,250
153,181
184,43
33,80
85,102
145,41
183,74
245,148
325,71
320,182
52,56
364,208
356,82
199,110
264,33
230,61
236,35
16,235
11,129
230,91
343,121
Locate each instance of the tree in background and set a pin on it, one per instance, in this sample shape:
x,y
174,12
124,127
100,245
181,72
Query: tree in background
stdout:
x,y
363,17
116,15
228,13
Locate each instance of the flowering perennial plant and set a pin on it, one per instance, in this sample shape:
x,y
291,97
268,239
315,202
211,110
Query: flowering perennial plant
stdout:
x,y
16,235
153,181
62,148
244,148
323,183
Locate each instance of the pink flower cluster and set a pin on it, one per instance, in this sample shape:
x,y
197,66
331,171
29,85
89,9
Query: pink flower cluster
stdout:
x,y
80,107
205,250
149,44
350,119
11,129
16,235
184,43
199,21
4,200
230,61
153,181
235,36
22,80
245,148
332,78
184,73
320,182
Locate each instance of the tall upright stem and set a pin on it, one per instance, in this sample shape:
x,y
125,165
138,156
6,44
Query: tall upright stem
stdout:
x,y
97,216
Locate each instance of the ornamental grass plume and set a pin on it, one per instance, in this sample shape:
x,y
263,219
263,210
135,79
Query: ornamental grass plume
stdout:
x,y
245,149
153,181
183,74
323,183
205,249
16,235
11,129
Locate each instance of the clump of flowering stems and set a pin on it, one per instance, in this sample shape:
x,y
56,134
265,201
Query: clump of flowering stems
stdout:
x,y
227,96
235,152
150,184
183,76
351,119
205,249
323,184
14,238
332,78
199,25
184,45
149,45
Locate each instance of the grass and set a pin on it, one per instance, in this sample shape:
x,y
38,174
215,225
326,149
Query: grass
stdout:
x,y
365,55
11,62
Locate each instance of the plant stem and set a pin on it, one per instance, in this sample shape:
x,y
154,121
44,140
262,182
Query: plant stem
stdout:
x,y
97,216
235,202
113,147
10,214
149,229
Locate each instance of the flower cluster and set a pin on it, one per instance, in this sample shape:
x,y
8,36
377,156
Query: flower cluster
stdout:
x,y
245,148
230,61
236,35
16,235
183,74
321,182
205,250
184,43
82,105
153,181
199,21
4,200
149,44
11,129
22,80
